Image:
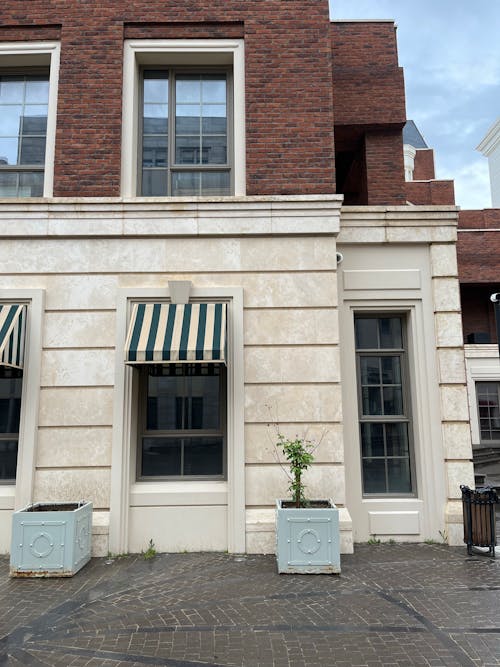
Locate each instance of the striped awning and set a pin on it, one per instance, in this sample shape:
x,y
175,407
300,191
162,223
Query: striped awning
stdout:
x,y
170,332
12,334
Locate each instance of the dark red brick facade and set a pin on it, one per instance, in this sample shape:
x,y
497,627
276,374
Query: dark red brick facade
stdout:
x,y
478,252
289,103
292,108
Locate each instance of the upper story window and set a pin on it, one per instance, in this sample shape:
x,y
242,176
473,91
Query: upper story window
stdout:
x,y
185,132
28,100
183,118
24,100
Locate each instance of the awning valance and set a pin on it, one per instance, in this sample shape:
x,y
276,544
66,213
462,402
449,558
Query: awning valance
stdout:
x,y
169,332
12,334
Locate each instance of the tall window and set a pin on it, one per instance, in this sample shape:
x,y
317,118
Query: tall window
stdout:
x,y
383,404
183,421
185,133
488,402
24,102
10,411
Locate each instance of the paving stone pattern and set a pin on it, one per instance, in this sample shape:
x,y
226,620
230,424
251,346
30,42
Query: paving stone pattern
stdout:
x,y
392,606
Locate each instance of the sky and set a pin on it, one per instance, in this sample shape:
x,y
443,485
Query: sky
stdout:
x,y
450,52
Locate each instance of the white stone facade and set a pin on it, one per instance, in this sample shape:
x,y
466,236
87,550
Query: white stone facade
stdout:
x,y
274,259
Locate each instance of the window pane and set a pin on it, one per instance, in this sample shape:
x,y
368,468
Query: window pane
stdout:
x,y
8,459
390,332
391,370
214,150
31,184
214,88
186,183
188,89
10,404
203,456
215,183
9,150
35,119
154,151
154,182
187,397
11,89
372,440
10,120
370,370
372,401
161,456
37,90
8,184
155,119
155,87
32,150
398,474
366,333
374,476
188,150
397,439
214,119
393,401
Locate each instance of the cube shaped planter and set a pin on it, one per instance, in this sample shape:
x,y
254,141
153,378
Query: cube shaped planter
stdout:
x,y
51,539
307,538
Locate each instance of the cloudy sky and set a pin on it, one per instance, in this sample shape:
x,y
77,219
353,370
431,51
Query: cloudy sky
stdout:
x,y
450,51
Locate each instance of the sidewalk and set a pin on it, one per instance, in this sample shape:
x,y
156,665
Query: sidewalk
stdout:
x,y
393,605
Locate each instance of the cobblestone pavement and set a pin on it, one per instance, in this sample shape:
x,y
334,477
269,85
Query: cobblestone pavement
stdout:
x,y
393,605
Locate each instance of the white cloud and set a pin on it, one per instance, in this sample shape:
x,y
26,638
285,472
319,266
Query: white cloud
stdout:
x,y
472,184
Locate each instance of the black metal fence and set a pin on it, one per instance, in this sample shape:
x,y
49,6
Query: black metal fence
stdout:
x,y
479,518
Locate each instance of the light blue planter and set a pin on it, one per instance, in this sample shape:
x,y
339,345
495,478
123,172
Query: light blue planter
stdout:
x,y
51,539
307,539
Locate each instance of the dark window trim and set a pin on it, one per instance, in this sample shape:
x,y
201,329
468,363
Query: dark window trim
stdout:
x,y
403,353
172,166
179,433
484,442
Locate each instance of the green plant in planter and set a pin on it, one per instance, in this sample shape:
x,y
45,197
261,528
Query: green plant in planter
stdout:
x,y
299,454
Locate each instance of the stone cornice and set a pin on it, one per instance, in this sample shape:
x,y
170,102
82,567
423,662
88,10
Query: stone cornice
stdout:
x,y
217,216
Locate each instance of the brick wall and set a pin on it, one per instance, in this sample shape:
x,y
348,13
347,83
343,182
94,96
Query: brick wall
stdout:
x,y
424,165
289,102
368,93
385,167
368,83
436,193
478,251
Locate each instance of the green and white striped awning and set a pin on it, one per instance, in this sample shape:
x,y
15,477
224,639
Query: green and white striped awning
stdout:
x,y
12,334
170,332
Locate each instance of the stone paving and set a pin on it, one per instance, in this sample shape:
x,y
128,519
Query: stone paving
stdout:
x,y
392,606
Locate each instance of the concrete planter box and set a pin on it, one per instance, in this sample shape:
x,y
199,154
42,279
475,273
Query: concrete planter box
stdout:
x,y
307,538
51,539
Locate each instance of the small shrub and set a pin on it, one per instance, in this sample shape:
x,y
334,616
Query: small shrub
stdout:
x,y
150,552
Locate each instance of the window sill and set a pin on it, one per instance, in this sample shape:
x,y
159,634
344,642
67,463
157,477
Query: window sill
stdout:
x,y
7,496
195,492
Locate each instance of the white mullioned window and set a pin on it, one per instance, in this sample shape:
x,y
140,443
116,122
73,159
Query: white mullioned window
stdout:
x,y
28,101
183,118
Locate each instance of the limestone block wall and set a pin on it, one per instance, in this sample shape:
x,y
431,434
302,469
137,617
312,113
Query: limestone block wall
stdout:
x,y
434,228
280,250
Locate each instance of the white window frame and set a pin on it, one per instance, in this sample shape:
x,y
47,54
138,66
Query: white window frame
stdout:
x,y
125,404
180,52
36,54
20,494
